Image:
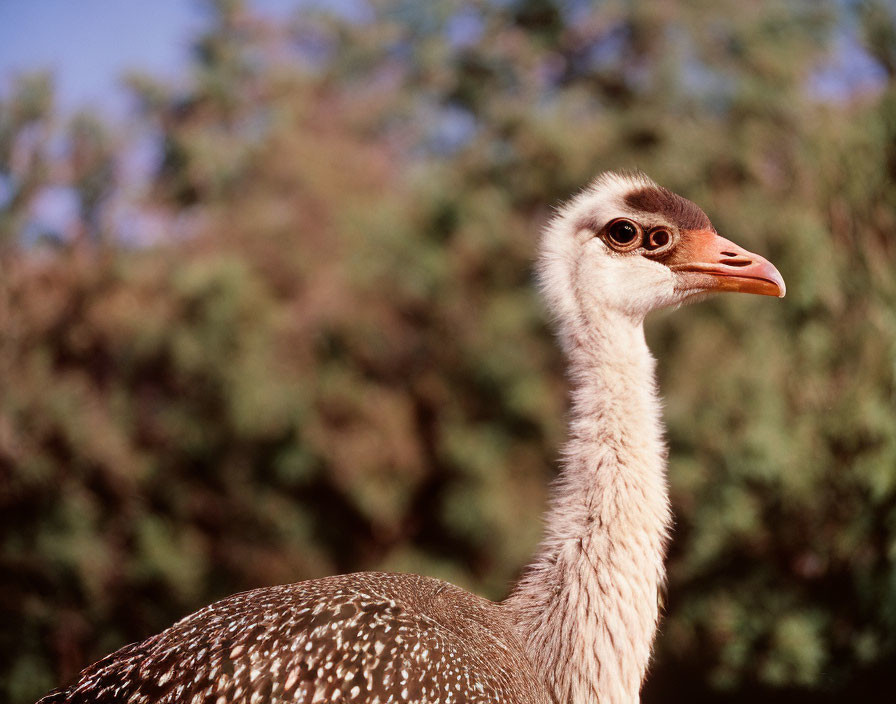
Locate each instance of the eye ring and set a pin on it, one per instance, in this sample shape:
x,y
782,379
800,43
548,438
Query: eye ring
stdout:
x,y
623,235
658,239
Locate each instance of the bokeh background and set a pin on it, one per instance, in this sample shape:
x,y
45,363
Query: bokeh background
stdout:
x,y
267,314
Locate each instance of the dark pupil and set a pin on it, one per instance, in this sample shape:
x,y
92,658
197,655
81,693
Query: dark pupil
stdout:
x,y
660,238
623,232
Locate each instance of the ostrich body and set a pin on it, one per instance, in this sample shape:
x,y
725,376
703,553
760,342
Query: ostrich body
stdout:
x,y
579,625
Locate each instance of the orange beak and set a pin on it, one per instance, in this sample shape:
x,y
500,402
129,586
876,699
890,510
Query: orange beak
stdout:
x,y
709,262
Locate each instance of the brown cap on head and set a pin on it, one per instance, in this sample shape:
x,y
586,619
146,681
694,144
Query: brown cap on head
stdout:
x,y
676,210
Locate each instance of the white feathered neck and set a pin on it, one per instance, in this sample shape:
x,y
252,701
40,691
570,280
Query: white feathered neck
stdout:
x,y
588,605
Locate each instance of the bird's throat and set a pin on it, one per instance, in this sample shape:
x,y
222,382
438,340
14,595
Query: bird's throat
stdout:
x,y
587,606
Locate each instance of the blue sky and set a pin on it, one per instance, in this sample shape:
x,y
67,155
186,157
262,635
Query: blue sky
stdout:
x,y
89,44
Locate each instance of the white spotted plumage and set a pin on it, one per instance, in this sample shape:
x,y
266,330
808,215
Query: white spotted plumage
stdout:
x,y
369,637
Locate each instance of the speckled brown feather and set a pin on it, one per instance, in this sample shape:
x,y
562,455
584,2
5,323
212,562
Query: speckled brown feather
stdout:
x,y
372,638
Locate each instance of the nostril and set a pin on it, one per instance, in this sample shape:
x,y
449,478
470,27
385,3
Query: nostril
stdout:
x,y
730,254
737,262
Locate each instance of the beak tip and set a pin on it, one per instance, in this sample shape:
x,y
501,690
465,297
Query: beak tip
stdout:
x,y
782,287
731,267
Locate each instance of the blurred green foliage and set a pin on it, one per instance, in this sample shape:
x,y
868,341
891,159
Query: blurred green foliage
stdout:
x,y
334,360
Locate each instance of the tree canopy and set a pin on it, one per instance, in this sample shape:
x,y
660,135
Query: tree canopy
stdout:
x,y
307,341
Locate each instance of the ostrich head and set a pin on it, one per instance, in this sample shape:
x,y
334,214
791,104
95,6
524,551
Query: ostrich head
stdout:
x,y
629,246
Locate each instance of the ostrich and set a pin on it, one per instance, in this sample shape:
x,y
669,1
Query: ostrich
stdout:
x,y
579,625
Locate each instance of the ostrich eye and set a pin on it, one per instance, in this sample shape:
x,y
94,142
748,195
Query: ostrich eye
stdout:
x,y
657,239
623,235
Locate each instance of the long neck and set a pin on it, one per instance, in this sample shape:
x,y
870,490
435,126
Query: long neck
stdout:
x,y
587,606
